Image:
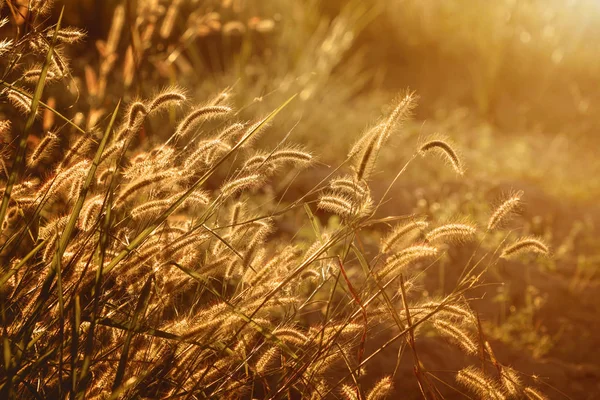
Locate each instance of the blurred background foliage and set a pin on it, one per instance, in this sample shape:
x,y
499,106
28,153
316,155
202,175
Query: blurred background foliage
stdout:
x,y
513,83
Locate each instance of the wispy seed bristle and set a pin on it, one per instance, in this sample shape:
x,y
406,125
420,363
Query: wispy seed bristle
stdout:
x,y
112,150
452,311
4,129
90,211
197,198
399,115
201,152
291,335
256,161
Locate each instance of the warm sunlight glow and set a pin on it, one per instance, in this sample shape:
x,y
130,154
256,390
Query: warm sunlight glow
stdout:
x,y
300,199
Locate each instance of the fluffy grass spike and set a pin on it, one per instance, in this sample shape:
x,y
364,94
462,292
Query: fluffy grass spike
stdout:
x,y
453,233
475,380
504,210
446,151
381,390
526,245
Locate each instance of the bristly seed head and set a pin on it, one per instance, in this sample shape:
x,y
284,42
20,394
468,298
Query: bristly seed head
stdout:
x,y
33,74
396,262
458,334
170,96
19,99
401,231
475,380
381,390
525,245
293,155
446,150
511,381
452,233
198,115
5,44
343,205
505,209
236,185
136,112
66,35
350,186
43,149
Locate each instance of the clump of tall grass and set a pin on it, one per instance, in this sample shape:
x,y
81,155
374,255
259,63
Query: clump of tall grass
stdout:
x,y
157,270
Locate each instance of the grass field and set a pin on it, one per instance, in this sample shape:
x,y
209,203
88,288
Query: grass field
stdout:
x,y
299,199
